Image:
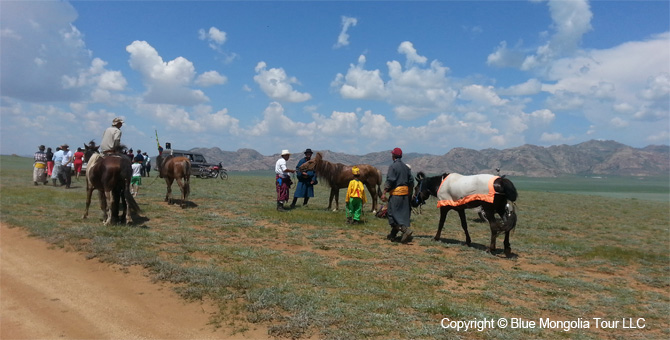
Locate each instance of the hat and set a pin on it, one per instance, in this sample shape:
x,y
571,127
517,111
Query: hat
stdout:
x,y
397,152
285,152
117,120
64,146
308,151
355,170
41,147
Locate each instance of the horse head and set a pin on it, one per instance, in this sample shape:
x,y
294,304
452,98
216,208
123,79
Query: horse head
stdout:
x,y
425,187
89,150
311,164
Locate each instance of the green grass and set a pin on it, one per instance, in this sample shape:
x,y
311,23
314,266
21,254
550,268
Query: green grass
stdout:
x,y
307,273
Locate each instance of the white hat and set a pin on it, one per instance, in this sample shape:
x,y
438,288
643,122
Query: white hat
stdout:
x,y
117,120
285,152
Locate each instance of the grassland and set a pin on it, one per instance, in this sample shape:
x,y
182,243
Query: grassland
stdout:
x,y
306,273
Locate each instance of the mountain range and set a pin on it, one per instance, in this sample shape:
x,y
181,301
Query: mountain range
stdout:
x,y
591,158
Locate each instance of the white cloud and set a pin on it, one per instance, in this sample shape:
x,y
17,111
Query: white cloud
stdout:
x,y
530,87
166,82
343,37
198,119
407,48
505,57
414,91
210,78
481,95
571,20
359,83
553,138
277,85
40,47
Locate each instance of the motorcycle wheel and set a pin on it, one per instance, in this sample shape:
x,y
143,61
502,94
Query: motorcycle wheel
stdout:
x,y
223,174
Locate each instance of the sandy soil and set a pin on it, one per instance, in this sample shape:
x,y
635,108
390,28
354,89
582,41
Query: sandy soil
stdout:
x,y
52,294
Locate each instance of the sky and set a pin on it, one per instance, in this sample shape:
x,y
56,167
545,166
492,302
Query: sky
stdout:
x,y
353,77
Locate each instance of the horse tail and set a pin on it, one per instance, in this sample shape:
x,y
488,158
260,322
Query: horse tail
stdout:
x,y
509,189
132,204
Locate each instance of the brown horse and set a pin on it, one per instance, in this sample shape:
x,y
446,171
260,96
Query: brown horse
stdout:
x,y
338,175
110,175
179,169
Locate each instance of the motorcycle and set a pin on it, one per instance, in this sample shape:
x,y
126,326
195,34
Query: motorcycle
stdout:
x,y
213,171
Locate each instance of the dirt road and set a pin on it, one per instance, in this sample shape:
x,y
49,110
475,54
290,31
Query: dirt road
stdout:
x,y
52,294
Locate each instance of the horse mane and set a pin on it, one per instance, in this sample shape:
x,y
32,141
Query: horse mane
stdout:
x,y
326,170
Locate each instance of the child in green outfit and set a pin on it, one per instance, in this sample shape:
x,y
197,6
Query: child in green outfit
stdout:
x,y
355,198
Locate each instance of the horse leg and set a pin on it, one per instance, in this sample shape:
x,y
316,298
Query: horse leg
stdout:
x,y
443,217
89,193
373,193
103,204
108,207
330,200
168,195
180,183
508,249
464,225
337,200
490,215
116,203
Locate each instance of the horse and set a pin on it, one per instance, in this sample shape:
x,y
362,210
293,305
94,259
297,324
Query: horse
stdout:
x,y
338,176
179,169
457,192
110,175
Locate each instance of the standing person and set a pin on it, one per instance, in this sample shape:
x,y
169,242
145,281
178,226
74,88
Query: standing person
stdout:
x,y
355,198
50,162
306,181
140,158
147,164
131,155
58,158
40,166
398,184
65,170
136,180
78,162
282,179
111,138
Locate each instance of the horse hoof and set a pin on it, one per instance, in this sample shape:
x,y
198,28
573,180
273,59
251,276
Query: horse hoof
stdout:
x,y
508,252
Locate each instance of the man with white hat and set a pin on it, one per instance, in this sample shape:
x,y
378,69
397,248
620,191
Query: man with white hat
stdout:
x,y
111,138
282,179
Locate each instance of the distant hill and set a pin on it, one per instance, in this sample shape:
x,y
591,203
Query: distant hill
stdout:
x,y
590,158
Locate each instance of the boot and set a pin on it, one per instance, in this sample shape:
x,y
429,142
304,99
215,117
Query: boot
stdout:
x,y
406,234
295,199
349,220
394,232
280,207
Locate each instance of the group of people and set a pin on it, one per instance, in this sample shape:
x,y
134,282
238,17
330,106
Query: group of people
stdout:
x,y
398,185
62,164
59,165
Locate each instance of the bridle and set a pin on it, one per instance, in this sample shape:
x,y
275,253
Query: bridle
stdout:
x,y
418,198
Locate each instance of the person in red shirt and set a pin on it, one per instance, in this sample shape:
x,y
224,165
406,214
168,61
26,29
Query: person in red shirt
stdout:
x,y
78,162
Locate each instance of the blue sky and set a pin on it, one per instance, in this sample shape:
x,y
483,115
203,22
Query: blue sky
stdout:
x,y
352,77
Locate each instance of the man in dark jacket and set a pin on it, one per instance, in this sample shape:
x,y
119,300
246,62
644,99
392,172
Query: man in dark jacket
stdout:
x,y
306,181
399,183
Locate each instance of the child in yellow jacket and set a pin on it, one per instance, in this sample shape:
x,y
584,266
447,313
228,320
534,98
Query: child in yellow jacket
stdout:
x,y
355,198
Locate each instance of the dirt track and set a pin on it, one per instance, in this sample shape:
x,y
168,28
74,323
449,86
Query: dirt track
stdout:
x,y
52,294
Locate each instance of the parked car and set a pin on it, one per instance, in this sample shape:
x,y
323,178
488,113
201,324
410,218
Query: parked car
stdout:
x,y
197,159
